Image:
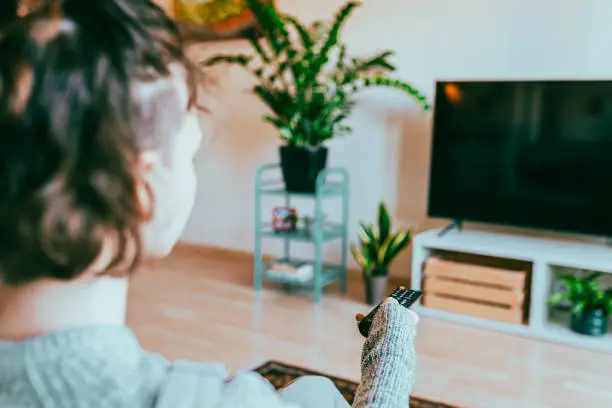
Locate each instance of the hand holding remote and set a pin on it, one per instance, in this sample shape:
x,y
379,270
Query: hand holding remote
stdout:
x,y
388,355
401,296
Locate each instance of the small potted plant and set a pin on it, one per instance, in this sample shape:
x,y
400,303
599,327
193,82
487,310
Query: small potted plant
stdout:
x,y
378,247
590,304
308,80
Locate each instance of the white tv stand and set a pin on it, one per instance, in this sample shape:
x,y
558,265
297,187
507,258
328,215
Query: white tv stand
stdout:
x,y
545,254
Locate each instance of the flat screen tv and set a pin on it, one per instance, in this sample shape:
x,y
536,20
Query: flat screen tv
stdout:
x,y
535,154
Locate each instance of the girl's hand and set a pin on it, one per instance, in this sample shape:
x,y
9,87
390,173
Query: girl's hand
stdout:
x,y
415,317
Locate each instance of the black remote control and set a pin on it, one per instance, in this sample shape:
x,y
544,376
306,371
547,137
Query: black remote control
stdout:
x,y
404,297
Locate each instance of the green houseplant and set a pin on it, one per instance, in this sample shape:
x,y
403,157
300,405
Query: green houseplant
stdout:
x,y
377,248
308,80
590,304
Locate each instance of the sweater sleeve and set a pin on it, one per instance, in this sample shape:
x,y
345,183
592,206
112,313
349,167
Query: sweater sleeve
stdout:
x,y
388,359
249,389
206,385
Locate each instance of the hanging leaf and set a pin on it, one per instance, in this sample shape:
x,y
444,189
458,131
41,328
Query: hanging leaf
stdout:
x,y
396,84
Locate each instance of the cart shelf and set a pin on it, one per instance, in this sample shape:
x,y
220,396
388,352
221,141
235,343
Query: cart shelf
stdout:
x,y
331,183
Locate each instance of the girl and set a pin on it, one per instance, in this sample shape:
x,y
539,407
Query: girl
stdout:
x,y
98,135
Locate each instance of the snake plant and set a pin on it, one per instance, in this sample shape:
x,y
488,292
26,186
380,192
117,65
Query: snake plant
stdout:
x,y
305,75
378,245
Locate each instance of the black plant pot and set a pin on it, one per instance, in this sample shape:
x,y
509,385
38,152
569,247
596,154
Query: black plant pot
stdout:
x,y
590,322
301,166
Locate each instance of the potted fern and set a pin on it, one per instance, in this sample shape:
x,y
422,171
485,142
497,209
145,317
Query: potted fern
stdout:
x,y
308,80
377,248
590,304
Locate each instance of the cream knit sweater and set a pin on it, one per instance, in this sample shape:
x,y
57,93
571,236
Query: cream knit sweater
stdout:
x,y
105,367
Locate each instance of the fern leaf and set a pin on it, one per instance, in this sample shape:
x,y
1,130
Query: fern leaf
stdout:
x,y
567,279
253,39
378,61
332,39
301,30
592,277
341,18
579,307
341,57
238,59
265,15
274,121
397,84
557,298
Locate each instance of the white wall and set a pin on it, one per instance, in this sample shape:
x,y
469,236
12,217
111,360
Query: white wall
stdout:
x,y
388,154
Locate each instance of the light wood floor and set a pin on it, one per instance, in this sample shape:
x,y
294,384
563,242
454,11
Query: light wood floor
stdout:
x,y
200,305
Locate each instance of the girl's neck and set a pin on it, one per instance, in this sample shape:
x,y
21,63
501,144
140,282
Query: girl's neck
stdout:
x,y
46,306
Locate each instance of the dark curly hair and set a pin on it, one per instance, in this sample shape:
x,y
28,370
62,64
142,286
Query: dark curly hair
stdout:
x,y
72,126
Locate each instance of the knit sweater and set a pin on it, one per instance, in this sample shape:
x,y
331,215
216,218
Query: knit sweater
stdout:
x,y
99,367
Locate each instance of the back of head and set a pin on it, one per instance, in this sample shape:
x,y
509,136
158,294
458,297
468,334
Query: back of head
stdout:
x,y
80,99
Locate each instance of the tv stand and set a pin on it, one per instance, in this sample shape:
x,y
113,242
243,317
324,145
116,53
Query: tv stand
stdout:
x,y
455,225
547,258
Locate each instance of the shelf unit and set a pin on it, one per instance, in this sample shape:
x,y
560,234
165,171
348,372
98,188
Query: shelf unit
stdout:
x,y
544,254
332,183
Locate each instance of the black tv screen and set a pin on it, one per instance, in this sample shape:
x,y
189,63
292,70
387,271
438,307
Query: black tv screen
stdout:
x,y
534,154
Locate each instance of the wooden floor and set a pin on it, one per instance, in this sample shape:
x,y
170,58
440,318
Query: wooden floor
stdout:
x,y
200,305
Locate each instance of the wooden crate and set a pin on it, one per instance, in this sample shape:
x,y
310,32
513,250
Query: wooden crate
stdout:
x,y
478,290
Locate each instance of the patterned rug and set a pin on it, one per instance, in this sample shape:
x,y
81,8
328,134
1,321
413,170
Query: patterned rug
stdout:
x,y
280,375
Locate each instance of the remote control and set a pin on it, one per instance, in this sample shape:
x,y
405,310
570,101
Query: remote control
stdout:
x,y
404,297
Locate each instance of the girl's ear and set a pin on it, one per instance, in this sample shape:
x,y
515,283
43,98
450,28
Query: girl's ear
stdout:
x,y
148,160
149,168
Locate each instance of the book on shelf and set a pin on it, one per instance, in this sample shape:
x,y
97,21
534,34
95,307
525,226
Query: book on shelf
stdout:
x,y
300,272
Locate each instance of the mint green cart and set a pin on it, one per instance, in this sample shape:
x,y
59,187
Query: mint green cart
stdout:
x,y
332,185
